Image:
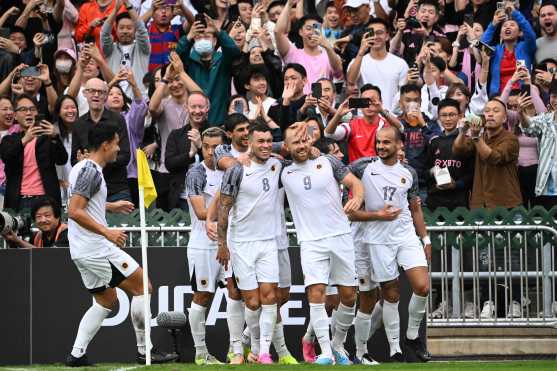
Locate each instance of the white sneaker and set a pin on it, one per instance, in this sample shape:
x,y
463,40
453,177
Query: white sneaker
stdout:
x,y
488,310
554,308
515,310
470,310
442,311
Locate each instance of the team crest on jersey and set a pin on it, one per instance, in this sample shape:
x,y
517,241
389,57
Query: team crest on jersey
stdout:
x,y
319,166
204,282
273,168
402,180
125,265
362,281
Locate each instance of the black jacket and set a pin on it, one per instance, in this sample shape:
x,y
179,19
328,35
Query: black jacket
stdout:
x,y
440,152
115,174
177,162
48,151
285,116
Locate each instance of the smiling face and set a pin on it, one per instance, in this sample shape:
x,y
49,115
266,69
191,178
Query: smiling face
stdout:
x,y
198,109
261,144
332,17
68,111
380,36
245,12
240,136
298,147
45,219
6,114
115,99
31,85
386,144
26,111
96,92
255,56
257,85
461,98
125,31
510,30
307,32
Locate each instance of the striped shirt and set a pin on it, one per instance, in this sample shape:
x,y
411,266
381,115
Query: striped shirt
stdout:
x,y
543,126
161,44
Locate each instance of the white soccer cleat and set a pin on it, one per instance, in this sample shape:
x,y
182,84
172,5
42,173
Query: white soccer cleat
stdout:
x,y
488,310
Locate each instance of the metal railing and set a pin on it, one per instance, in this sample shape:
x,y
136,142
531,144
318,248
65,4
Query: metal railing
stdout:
x,y
511,269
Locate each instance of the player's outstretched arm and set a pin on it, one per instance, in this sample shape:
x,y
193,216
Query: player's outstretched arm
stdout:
x,y
415,207
76,212
386,214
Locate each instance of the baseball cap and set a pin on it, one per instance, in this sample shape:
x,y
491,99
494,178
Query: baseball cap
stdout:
x,y
355,3
67,51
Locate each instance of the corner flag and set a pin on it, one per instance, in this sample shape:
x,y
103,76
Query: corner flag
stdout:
x,y
144,178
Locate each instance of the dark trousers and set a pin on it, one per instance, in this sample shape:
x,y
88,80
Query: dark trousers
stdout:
x,y
527,178
162,184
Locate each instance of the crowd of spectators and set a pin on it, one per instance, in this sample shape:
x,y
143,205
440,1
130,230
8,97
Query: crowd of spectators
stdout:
x,y
469,83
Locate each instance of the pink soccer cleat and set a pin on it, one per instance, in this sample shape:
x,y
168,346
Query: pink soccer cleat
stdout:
x,y
308,350
265,359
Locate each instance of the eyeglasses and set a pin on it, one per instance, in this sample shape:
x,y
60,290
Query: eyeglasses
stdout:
x,y
451,115
26,109
96,92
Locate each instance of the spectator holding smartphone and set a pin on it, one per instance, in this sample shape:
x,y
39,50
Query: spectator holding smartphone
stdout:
x,y
30,157
511,53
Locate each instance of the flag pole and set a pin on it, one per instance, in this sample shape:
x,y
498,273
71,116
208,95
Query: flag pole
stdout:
x,y
146,301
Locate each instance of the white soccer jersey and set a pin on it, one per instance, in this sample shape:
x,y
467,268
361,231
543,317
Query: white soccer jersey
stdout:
x,y
86,179
254,216
314,198
205,182
387,185
282,233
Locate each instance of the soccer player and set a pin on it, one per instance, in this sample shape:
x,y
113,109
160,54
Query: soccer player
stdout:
x,y
96,249
327,250
249,196
236,126
202,183
394,215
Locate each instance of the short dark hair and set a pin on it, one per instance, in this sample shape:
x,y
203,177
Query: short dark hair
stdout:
x,y
214,132
433,3
256,70
439,63
376,20
123,15
296,67
548,3
234,119
5,97
367,87
275,3
250,2
328,80
259,126
453,87
46,202
19,98
100,134
330,4
448,102
323,144
410,88
310,17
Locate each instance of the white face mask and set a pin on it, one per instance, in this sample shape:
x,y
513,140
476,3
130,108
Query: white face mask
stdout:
x,y
64,65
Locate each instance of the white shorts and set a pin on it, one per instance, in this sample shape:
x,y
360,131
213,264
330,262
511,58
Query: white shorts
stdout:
x,y
385,259
254,262
285,271
99,273
331,290
363,267
205,270
329,261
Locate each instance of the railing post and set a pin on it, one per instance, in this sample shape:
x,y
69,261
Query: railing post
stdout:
x,y
546,280
455,266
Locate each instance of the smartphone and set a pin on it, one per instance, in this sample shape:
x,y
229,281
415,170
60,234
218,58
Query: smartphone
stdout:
x,y
486,48
89,39
500,5
38,119
238,106
430,39
358,102
469,19
317,28
525,89
255,23
316,90
199,17
32,71
412,22
5,32
370,32
520,63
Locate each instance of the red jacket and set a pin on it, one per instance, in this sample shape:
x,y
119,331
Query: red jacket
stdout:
x,y
87,14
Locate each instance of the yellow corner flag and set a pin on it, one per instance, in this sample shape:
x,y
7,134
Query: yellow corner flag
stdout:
x,y
144,178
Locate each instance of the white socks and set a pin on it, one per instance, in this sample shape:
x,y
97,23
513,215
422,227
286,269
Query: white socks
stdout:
x,y
235,321
278,340
252,321
88,327
416,311
376,319
309,336
343,320
138,320
392,325
267,322
362,326
197,324
333,322
320,324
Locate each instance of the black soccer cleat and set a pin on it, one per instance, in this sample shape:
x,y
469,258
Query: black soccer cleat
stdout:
x,y
416,351
397,357
157,357
82,361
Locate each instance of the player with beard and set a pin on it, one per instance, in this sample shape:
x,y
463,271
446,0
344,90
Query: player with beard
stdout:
x,y
323,229
393,215
249,195
96,249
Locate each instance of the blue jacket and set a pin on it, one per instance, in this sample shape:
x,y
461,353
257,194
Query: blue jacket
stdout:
x,y
524,49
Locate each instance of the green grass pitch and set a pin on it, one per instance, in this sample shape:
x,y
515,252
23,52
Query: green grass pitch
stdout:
x,y
434,366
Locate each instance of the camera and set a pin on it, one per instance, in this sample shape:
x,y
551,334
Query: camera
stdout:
x,y
9,223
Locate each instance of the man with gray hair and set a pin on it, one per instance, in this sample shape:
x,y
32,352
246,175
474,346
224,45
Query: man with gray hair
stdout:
x,y
96,92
